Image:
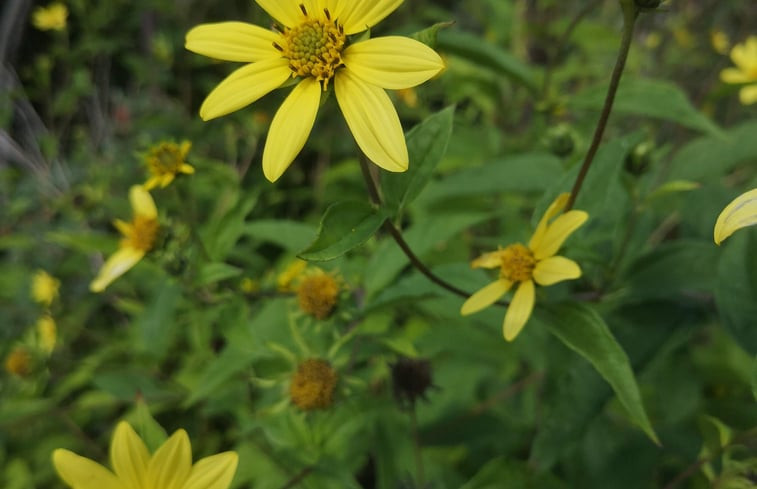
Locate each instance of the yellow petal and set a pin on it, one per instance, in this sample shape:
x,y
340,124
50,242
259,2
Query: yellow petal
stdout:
x,y
129,456
291,127
748,95
286,12
244,86
373,121
554,208
214,472
365,14
557,232
233,41
486,296
745,55
392,62
493,259
82,473
171,464
187,169
733,75
142,203
740,213
184,148
166,180
555,269
118,264
520,310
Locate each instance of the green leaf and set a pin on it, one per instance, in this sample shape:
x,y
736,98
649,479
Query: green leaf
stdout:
x,y
229,363
426,144
344,226
222,233
754,378
211,273
290,235
149,430
429,35
581,329
156,323
674,186
710,157
736,287
475,49
651,98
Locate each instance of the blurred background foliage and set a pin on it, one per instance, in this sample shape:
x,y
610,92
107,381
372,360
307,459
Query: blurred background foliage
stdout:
x,y
207,332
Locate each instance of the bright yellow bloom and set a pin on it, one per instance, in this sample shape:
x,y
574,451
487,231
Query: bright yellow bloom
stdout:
x,y
525,265
134,468
744,56
50,18
44,288
138,238
740,213
314,47
47,333
165,161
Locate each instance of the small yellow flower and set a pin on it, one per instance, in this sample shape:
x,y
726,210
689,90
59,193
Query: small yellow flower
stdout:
x,y
50,18
135,468
165,161
291,273
249,285
318,294
744,56
44,288
47,333
525,265
409,97
720,42
740,213
315,48
313,385
138,238
18,362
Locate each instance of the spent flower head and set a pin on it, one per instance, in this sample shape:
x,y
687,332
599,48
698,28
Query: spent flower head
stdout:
x,y
44,288
526,265
50,18
18,362
135,468
313,384
744,56
165,161
318,293
139,237
314,45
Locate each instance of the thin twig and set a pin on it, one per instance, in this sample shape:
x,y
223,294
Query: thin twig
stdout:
x,y
299,477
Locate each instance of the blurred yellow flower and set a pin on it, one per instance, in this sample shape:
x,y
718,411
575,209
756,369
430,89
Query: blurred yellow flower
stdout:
x,y
720,42
44,288
50,18
526,265
314,47
740,213
313,385
135,468
18,362
165,161
318,294
290,275
47,333
138,238
744,56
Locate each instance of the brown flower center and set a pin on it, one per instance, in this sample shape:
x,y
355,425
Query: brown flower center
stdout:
x,y
313,385
141,234
517,263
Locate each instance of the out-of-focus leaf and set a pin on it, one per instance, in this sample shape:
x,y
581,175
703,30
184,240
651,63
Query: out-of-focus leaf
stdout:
x,y
82,241
128,384
149,430
584,331
671,187
652,98
517,474
429,35
736,287
221,234
426,144
754,378
293,236
710,157
156,323
344,226
211,273
229,363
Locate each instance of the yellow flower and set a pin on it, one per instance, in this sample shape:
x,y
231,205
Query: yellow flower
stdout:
x,y
720,42
740,213
313,385
47,333
138,238
290,274
318,294
50,18
44,287
526,265
744,56
315,47
134,468
18,362
165,161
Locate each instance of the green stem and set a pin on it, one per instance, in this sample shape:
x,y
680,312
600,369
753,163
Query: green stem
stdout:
x,y
630,14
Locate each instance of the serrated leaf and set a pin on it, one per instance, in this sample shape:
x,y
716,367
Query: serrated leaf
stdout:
x,y
426,144
344,226
583,330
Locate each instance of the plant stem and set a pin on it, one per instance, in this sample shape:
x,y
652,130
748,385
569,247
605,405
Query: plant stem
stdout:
x,y
630,14
419,471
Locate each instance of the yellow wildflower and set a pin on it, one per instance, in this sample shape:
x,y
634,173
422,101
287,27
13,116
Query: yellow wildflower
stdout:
x,y
138,238
44,288
740,213
317,294
744,56
409,97
47,333
135,468
290,274
50,18
18,362
313,385
165,161
720,42
314,47
525,265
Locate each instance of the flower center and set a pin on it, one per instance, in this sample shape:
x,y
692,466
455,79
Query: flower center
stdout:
x,y
142,233
313,385
166,158
314,47
517,263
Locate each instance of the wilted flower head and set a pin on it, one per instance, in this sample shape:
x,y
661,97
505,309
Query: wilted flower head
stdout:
x,y
18,362
411,379
50,18
318,294
44,287
313,385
